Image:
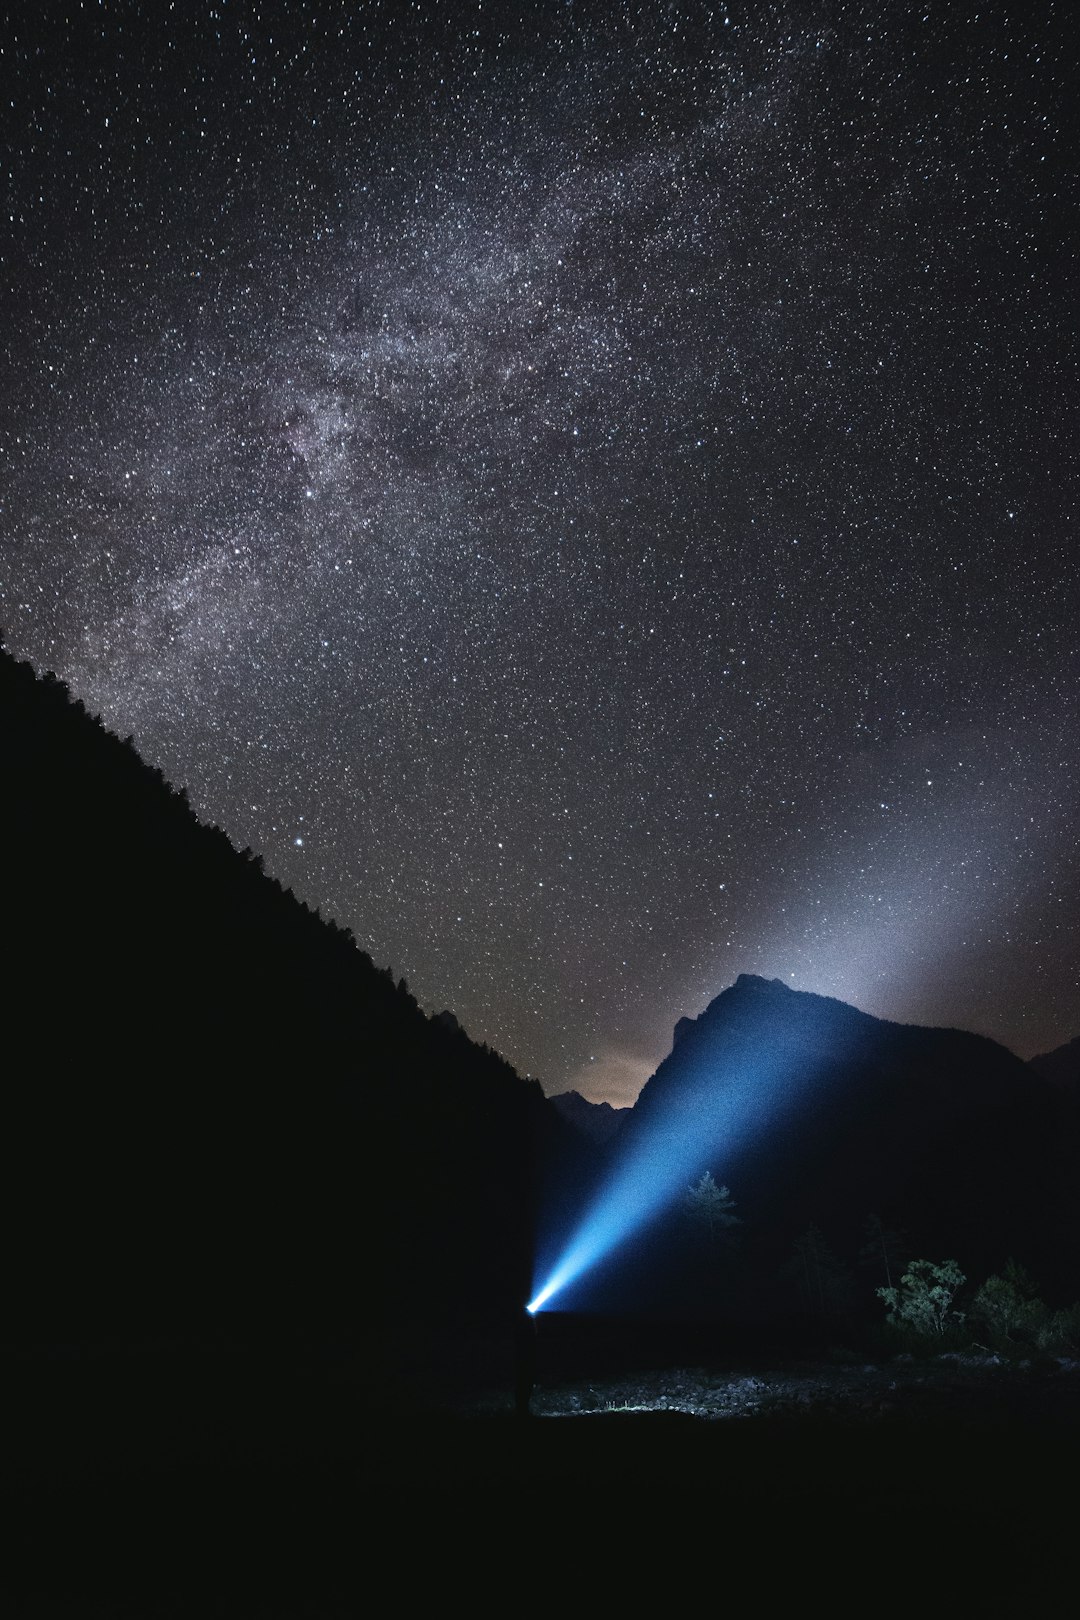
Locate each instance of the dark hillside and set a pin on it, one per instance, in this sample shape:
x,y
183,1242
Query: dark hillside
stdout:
x,y
1061,1066
218,1115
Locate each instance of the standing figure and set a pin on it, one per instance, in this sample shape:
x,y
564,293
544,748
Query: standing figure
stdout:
x,y
524,1361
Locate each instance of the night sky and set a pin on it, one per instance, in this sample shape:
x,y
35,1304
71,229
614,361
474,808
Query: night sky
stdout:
x,y
588,490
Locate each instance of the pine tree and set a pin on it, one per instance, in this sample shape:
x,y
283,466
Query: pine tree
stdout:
x,y
711,1208
884,1250
821,1280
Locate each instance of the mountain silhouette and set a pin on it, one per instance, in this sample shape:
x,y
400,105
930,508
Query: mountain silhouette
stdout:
x,y
597,1122
816,1114
1061,1066
218,1115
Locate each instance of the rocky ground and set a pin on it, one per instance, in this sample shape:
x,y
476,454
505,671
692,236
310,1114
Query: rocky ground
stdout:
x,y
904,1385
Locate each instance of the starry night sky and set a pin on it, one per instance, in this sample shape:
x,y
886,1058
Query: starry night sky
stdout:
x,y
588,490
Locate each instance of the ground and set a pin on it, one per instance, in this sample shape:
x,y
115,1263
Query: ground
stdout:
x,y
292,1488
901,1386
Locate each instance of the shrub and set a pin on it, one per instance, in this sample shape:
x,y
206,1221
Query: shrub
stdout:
x,y
1007,1305
923,1302
1059,1333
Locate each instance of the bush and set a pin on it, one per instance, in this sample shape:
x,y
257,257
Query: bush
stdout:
x,y
922,1305
1059,1333
1007,1307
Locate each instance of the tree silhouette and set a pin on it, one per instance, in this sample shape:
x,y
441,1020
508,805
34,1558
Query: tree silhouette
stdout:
x,y
821,1280
883,1250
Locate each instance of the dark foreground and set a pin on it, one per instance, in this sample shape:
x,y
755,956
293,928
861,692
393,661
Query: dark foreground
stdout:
x,y
144,1487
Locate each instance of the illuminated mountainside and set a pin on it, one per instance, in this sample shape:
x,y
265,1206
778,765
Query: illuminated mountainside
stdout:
x,y
814,1112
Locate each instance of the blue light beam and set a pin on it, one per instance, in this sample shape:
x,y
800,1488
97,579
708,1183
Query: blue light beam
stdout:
x,y
680,1138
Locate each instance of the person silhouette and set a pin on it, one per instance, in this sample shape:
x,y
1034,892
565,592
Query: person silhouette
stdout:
x,y
524,1361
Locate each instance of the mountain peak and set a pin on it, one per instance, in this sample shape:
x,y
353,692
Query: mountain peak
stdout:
x,y
598,1121
746,984
813,1110
754,981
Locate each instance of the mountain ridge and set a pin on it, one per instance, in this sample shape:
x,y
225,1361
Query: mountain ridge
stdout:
x,y
816,1113
1061,1066
758,985
214,1094
600,1122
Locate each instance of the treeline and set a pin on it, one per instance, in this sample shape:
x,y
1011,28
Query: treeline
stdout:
x,y
928,1304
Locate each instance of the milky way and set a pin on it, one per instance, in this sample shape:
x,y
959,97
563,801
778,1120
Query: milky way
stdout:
x,y
588,491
